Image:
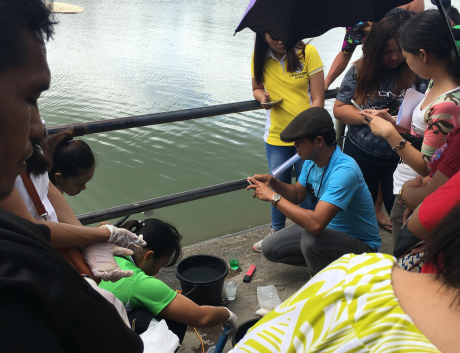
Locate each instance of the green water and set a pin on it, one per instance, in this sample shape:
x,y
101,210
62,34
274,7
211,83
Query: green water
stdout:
x,y
131,57
234,264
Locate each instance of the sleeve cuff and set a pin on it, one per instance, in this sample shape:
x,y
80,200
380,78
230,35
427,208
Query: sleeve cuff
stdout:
x,y
315,71
444,169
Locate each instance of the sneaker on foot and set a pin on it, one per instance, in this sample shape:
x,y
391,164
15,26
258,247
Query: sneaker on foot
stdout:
x,y
257,247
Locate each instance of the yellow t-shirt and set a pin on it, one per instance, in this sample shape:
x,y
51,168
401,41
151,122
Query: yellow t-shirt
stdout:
x,y
293,87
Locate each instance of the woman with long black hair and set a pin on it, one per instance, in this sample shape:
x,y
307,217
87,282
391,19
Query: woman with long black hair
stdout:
x,y
297,78
378,81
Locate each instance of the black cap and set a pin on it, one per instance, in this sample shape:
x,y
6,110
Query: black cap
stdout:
x,y
314,121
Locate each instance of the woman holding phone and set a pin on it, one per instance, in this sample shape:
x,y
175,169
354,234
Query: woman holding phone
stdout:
x,y
285,84
378,80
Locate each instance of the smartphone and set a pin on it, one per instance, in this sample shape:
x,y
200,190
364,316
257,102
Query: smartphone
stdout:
x,y
272,103
359,108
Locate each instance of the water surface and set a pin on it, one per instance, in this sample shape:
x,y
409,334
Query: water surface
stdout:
x,y
121,58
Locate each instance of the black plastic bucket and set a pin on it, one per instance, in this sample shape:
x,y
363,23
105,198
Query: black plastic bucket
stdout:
x,y
202,278
242,330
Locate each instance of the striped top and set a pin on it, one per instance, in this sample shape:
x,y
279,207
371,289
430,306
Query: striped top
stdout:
x,y
350,306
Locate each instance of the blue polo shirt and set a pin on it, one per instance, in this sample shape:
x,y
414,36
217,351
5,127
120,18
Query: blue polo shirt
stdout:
x,y
344,186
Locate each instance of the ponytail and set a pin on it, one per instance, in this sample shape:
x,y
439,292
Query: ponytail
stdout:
x,y
161,237
427,30
70,157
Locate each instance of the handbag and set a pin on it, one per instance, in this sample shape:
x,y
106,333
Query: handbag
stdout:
x,y
412,260
71,254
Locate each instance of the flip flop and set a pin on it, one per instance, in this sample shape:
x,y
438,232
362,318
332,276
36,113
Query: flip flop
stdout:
x,y
383,225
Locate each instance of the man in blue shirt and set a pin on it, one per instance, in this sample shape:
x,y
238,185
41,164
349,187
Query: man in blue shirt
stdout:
x,y
343,220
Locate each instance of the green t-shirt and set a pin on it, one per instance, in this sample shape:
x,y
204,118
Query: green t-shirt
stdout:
x,y
139,290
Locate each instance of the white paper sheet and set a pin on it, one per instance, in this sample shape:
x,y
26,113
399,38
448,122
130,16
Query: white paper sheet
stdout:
x,y
277,171
411,100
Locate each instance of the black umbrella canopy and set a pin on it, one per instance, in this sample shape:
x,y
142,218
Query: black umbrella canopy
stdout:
x,y
293,20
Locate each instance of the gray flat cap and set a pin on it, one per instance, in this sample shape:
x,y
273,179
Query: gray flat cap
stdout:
x,y
314,121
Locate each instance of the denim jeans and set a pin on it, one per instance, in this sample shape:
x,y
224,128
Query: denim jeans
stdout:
x,y
277,155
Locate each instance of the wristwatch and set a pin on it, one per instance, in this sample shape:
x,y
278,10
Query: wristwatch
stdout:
x,y
275,199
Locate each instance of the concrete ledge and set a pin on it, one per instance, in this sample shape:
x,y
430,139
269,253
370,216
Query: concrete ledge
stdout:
x,y
287,279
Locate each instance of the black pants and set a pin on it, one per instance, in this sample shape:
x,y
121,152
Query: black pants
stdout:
x,y
144,316
375,170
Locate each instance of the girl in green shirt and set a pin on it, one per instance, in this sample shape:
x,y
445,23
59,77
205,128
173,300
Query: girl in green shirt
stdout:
x,y
142,290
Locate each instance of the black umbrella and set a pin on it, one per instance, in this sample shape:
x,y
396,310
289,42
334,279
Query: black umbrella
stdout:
x,y
293,20
446,20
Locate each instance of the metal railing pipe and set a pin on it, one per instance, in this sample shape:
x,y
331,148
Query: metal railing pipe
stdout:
x,y
81,129
160,202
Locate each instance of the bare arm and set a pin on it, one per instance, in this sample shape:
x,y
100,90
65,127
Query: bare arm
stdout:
x,y
415,226
314,221
347,114
61,206
338,66
416,6
185,311
317,89
294,193
413,197
410,155
62,235
258,90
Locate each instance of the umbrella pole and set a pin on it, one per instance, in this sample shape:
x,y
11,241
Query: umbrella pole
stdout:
x,y
451,35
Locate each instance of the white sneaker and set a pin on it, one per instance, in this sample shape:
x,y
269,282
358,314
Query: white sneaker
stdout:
x,y
257,247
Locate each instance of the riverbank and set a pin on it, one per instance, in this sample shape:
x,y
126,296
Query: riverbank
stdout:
x,y
287,279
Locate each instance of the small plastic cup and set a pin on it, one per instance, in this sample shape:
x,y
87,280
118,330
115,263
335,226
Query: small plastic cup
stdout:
x,y
230,289
234,259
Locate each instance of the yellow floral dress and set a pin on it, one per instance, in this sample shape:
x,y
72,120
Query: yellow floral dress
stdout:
x,y
350,306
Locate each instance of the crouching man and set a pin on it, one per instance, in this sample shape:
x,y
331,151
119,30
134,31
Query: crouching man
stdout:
x,y
343,220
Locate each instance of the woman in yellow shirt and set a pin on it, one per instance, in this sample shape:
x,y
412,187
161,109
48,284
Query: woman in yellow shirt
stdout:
x,y
297,78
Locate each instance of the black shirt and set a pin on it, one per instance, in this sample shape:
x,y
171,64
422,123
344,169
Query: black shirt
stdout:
x,y
45,305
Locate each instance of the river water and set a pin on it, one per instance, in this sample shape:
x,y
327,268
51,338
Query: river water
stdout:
x,y
132,57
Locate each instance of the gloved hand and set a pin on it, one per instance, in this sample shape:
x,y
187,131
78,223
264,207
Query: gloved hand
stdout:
x,y
231,322
99,257
125,238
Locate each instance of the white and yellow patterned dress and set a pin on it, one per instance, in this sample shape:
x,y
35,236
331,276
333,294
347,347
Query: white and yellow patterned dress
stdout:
x,y
350,306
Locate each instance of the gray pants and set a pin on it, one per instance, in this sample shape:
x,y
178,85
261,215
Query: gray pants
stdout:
x,y
296,246
396,216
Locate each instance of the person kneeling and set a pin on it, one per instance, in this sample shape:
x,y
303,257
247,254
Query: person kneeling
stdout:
x,y
143,291
343,220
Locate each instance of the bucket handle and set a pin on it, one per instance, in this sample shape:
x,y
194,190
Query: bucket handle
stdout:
x,y
189,292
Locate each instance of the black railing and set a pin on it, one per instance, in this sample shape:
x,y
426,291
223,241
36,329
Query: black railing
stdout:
x,y
80,129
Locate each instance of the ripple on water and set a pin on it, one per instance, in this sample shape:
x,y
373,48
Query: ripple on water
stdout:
x,y
132,57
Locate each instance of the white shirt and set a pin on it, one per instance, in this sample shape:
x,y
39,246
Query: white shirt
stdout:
x,y
403,172
41,184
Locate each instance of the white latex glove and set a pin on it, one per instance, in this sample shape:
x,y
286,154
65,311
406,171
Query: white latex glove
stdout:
x,y
111,299
125,238
231,322
99,257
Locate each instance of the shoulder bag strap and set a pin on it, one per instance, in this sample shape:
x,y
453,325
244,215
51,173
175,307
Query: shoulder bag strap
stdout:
x,y
32,191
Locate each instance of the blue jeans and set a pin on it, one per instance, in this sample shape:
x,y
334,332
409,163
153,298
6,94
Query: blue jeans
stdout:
x,y
277,155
